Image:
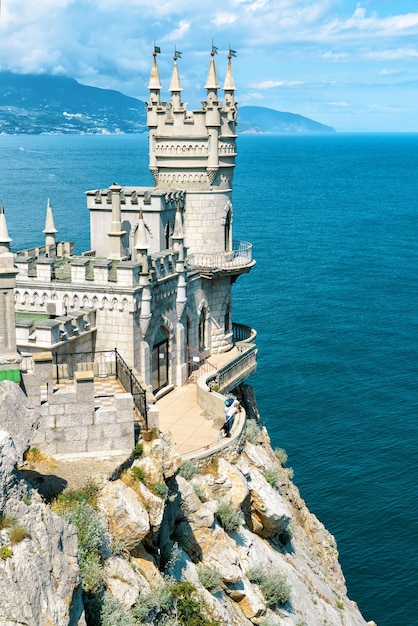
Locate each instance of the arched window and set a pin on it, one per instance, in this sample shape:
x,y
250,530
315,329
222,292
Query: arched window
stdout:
x,y
159,360
202,329
167,235
228,318
227,233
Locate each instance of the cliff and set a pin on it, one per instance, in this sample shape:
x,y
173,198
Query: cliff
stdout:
x,y
225,541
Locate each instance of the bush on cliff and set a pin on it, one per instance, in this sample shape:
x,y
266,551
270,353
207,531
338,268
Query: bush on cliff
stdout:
x,y
273,585
172,602
228,517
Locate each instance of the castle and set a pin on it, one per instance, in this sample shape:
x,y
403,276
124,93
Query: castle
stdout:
x,y
151,300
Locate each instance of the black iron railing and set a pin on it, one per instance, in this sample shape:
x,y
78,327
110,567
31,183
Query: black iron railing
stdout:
x,y
103,364
132,385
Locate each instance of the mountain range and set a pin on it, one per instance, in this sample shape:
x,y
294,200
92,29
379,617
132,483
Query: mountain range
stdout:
x,y
44,104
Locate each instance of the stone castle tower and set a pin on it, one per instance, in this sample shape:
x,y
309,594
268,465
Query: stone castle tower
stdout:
x,y
157,281
195,151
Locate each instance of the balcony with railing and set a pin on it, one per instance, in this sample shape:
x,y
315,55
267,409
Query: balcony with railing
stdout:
x,y
239,258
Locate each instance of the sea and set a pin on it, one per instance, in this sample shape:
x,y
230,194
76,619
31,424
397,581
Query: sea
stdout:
x,y
333,220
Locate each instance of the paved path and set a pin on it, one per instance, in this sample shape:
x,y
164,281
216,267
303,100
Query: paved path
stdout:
x,y
184,423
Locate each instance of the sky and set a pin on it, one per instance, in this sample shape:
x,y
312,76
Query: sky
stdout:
x,y
351,65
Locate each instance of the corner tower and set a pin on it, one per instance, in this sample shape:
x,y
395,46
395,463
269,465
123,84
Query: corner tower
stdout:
x,y
194,151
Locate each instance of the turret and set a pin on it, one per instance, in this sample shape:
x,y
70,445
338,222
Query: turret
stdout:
x,y
212,81
49,229
116,234
213,117
4,233
175,86
8,353
154,82
230,107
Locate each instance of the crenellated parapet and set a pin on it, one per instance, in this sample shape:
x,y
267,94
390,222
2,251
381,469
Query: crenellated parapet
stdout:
x,y
194,149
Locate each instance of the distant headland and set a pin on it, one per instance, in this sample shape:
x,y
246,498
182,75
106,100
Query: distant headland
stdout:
x,y
43,104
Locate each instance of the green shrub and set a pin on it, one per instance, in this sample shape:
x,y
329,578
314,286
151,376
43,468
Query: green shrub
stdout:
x,y
228,517
6,521
160,489
187,470
271,474
189,606
275,589
256,574
113,613
143,607
273,585
209,578
252,431
17,534
173,603
71,498
34,455
269,621
138,450
290,473
281,456
198,490
5,552
91,537
138,473
210,466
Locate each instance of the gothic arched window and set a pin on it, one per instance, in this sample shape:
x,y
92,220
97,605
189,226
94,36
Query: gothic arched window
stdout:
x,y
202,329
160,359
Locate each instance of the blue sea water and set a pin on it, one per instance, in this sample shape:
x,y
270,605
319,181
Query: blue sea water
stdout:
x,y
334,298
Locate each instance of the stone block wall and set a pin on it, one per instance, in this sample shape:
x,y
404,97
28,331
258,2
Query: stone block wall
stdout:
x,y
73,422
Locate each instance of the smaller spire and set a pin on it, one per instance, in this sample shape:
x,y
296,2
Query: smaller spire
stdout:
x,y
229,84
4,233
49,221
212,79
154,81
175,84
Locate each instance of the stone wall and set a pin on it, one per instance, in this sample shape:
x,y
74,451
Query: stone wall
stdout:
x,y
75,422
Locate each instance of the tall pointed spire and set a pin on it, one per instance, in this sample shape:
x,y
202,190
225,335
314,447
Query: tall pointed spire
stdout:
x,y
175,85
212,79
229,84
4,233
154,81
49,229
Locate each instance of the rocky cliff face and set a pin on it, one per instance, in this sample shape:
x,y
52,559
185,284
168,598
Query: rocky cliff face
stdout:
x,y
233,529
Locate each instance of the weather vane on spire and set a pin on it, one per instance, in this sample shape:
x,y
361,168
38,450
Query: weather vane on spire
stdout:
x,y
231,53
157,49
214,50
177,54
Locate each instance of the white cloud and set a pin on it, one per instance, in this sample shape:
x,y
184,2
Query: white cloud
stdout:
x,y
328,46
224,19
394,54
270,84
178,33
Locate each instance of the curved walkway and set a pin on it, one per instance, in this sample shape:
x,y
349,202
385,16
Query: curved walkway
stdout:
x,y
191,431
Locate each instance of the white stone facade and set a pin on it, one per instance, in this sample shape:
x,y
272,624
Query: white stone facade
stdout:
x,y
162,260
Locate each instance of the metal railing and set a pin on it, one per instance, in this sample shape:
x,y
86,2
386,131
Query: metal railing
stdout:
x,y
196,364
103,364
236,371
132,385
239,256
